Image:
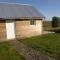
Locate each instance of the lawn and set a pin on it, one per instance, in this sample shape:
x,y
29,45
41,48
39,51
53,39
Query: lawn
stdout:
x,y
48,44
7,52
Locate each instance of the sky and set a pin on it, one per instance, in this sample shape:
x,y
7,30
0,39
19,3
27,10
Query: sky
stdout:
x,y
48,8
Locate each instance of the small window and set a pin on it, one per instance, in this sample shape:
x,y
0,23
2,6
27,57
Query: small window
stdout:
x,y
32,22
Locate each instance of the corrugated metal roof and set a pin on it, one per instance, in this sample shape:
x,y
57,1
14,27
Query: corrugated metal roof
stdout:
x,y
18,11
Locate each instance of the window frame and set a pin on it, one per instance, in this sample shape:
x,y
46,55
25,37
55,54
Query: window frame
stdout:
x,y
32,22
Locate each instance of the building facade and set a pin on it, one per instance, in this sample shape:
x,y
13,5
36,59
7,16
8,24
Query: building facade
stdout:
x,y
19,20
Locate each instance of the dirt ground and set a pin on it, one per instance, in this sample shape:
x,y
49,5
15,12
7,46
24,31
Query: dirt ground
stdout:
x,y
27,52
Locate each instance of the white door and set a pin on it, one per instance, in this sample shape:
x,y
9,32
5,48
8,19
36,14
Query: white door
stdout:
x,y
10,29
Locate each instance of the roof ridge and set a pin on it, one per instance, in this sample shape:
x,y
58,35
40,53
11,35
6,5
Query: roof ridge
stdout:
x,y
15,3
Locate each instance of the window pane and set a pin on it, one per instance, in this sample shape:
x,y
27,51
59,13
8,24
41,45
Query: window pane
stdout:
x,y
32,22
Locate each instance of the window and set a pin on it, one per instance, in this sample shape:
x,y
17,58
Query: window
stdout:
x,y
32,22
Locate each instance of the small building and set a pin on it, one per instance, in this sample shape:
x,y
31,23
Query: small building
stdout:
x,y
19,20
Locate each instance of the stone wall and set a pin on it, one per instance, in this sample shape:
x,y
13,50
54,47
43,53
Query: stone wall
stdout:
x,y
24,29
2,30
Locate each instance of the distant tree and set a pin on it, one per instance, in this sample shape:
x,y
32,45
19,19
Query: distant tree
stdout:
x,y
55,21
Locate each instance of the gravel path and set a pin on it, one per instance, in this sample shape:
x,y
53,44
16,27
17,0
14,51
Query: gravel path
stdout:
x,y
28,53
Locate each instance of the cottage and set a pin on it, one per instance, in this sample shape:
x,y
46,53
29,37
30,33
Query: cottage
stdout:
x,y
18,20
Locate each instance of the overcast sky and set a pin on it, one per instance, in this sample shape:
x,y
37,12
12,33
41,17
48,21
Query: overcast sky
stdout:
x,y
49,8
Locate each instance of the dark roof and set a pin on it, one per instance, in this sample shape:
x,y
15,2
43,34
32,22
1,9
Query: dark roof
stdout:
x,y
10,10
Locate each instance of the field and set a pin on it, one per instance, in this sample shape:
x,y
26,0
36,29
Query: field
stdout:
x,y
47,24
7,52
48,44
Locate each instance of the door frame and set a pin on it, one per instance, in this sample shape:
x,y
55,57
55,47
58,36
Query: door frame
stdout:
x,y
10,21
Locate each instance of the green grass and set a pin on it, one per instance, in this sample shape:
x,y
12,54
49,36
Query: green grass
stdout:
x,y
47,24
7,52
49,44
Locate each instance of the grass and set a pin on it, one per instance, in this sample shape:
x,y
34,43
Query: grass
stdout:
x,y
49,44
7,52
47,24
